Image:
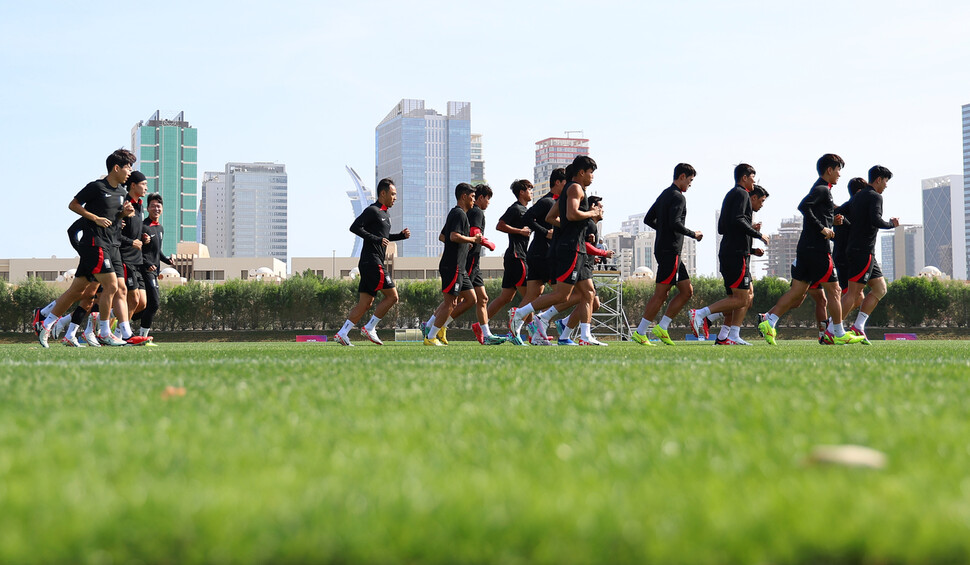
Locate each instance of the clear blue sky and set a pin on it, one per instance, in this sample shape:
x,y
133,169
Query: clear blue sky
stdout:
x,y
651,84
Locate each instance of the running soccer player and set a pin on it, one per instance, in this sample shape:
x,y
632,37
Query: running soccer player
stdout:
x,y
473,268
513,222
152,258
667,217
734,255
102,204
454,279
538,262
571,271
813,266
132,240
865,216
374,227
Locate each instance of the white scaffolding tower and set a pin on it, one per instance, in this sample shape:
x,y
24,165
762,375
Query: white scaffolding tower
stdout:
x,y
610,320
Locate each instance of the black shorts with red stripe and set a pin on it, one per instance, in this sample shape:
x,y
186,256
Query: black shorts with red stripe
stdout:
x,y
571,266
862,267
813,267
670,269
539,268
842,272
454,280
736,271
474,271
516,272
94,261
374,278
133,278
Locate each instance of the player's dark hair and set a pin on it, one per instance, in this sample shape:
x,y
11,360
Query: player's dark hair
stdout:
x,y
557,175
879,172
594,200
120,157
134,178
482,190
856,184
462,189
384,185
684,169
828,161
742,170
520,185
759,190
155,196
580,163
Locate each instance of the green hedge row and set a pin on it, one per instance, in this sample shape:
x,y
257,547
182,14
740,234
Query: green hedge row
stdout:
x,y
306,302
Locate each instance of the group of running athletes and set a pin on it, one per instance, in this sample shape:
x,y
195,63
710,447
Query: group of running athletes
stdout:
x,y
562,225
120,253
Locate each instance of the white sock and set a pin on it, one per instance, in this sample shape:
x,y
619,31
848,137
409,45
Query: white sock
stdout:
x,y
485,331
704,312
715,317
430,321
72,331
50,320
723,334
62,323
860,321
92,319
836,329
104,328
567,333
644,326
772,319
46,310
374,320
344,329
584,331
734,333
125,329
143,332
434,332
448,322
117,332
521,313
549,314
665,322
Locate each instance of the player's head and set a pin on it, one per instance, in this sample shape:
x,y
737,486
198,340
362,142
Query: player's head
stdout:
x,y
595,201
137,184
119,164
744,176
386,192
483,195
829,167
557,180
758,196
154,205
464,193
879,177
684,175
581,170
521,189
856,184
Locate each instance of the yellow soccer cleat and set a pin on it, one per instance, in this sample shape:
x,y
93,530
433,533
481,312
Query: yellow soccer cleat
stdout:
x,y
433,342
663,334
642,339
443,336
768,331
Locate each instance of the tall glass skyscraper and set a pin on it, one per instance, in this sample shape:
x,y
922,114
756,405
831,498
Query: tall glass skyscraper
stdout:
x,y
167,152
361,197
943,229
966,189
426,154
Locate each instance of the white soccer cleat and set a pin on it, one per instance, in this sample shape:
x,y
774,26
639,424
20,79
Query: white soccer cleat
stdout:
x,y
91,339
43,336
342,340
740,341
591,341
539,340
72,342
111,340
371,335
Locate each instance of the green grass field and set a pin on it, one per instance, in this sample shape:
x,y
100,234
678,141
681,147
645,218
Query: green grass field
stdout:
x,y
302,453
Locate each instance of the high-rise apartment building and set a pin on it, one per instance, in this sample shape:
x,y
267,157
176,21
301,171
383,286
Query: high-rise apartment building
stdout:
x,y
246,211
902,252
943,229
633,225
360,198
478,163
781,252
167,152
426,154
552,153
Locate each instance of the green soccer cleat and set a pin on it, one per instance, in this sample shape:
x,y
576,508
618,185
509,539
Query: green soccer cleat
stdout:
x,y
495,340
663,334
847,339
768,331
860,333
642,339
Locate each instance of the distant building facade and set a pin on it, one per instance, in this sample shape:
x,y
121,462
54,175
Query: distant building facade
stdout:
x,y
478,163
553,153
426,154
902,252
943,229
781,252
966,190
360,198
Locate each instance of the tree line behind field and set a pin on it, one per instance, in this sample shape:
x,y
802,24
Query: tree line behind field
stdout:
x,y
307,302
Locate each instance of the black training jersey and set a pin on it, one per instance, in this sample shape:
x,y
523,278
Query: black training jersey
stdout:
x,y
476,219
131,230
572,234
842,231
667,216
151,252
535,218
374,226
75,234
101,200
865,213
454,253
818,211
514,217
735,222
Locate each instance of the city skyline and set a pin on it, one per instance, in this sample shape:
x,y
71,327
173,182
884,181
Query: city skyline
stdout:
x,y
777,96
